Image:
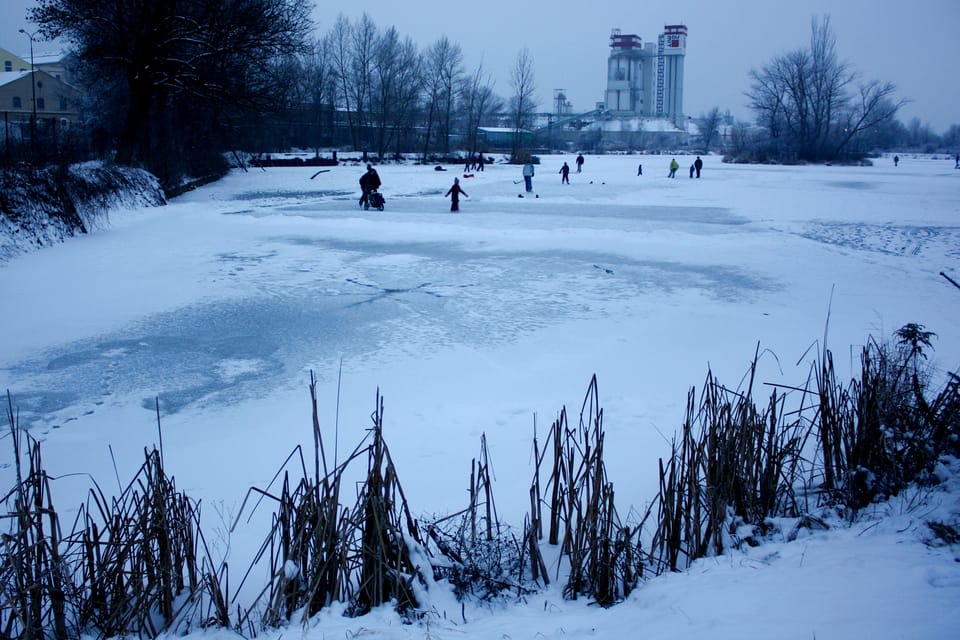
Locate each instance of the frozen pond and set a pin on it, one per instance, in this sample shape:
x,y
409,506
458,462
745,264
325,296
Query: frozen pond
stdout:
x,y
487,321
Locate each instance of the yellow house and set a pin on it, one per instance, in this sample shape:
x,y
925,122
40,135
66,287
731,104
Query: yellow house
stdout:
x,y
11,62
56,108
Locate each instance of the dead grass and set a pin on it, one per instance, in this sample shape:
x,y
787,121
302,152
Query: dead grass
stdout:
x,y
138,563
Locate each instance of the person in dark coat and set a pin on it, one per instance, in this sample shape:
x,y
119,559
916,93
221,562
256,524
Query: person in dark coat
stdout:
x,y
480,162
369,181
565,174
579,162
454,193
698,165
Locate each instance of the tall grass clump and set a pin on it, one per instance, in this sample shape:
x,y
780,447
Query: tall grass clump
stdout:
x,y
733,466
136,563
35,583
886,428
479,556
146,567
599,551
572,504
319,552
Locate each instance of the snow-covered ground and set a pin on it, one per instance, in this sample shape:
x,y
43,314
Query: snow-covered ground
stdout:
x,y
488,321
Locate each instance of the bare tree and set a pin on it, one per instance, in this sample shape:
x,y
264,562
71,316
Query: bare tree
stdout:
x,y
353,50
951,137
450,77
317,90
363,54
709,125
409,95
919,133
825,94
339,39
767,97
397,83
385,79
522,104
872,106
442,68
803,99
479,100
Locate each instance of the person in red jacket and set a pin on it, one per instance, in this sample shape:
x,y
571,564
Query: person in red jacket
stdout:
x,y
454,194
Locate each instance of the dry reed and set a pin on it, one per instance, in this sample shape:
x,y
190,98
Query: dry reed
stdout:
x,y
138,563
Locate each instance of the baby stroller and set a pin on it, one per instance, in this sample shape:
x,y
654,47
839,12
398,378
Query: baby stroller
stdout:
x,y
375,200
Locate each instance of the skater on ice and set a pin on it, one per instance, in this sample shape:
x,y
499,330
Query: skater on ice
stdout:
x,y
528,176
454,193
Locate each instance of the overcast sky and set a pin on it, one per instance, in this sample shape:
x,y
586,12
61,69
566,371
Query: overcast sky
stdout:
x,y
915,44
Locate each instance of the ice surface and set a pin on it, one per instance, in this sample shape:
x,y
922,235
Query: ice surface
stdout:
x,y
485,322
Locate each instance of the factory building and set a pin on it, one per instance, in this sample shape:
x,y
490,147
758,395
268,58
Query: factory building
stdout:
x,y
646,79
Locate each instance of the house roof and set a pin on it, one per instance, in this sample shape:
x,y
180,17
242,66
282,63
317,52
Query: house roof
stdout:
x,y
501,130
48,58
6,77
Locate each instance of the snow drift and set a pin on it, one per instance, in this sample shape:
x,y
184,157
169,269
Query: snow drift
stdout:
x,y
45,206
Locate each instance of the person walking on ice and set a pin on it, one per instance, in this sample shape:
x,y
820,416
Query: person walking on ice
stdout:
x,y
369,181
698,164
454,193
674,165
579,162
528,176
565,174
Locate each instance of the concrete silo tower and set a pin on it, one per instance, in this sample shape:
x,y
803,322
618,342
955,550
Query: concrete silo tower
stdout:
x,y
625,70
671,50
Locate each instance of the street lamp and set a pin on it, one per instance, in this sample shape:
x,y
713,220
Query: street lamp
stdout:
x,y
33,91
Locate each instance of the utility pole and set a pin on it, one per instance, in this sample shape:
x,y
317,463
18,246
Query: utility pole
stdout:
x,y
33,91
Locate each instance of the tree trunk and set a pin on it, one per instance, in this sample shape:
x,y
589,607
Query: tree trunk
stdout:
x,y
135,136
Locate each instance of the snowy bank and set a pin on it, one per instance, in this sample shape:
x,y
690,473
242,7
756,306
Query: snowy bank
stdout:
x,y
45,207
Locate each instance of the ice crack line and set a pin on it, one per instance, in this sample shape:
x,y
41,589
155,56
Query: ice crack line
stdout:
x,y
390,291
